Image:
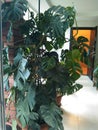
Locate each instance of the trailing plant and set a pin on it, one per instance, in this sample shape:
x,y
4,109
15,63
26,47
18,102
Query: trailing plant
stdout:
x,y
38,72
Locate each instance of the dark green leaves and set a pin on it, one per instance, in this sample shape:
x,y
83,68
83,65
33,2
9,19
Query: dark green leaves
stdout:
x,y
37,70
71,60
13,11
95,77
54,22
23,112
52,116
48,63
25,107
82,39
28,26
31,97
73,88
10,33
81,43
60,20
21,74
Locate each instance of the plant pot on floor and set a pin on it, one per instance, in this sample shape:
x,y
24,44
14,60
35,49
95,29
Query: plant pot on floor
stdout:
x,y
58,100
44,127
19,126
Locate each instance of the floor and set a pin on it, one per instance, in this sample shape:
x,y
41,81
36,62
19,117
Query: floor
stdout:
x,y
81,108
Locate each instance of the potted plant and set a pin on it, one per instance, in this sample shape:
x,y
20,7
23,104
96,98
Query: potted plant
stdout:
x,y
38,72
95,77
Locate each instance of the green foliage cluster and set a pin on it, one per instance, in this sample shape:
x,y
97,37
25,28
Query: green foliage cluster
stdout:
x,y
38,72
95,77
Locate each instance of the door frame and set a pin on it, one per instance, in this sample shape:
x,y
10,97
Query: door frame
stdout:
x,y
92,58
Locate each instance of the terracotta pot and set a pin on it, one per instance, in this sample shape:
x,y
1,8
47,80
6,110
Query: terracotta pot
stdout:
x,y
58,100
44,127
26,128
20,126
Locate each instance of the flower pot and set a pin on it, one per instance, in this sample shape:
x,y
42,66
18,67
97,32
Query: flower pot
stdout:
x,y
44,127
20,126
26,128
58,100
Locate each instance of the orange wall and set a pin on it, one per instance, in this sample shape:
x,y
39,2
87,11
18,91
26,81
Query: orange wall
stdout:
x,y
87,34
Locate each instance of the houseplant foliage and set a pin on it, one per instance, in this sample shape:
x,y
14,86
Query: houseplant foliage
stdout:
x,y
39,74
95,77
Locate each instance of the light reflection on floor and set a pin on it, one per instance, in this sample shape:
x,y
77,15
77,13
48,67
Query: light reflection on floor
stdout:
x,y
81,108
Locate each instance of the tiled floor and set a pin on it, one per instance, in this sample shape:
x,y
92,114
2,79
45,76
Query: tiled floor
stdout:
x,y
81,108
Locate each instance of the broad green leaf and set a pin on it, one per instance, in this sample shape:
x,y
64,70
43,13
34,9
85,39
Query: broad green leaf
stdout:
x,y
50,114
31,97
19,84
17,59
34,116
48,46
22,64
76,55
48,63
23,112
15,10
26,73
10,33
82,39
6,81
19,76
60,16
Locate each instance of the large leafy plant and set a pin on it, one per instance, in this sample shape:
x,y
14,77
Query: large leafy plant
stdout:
x,y
38,72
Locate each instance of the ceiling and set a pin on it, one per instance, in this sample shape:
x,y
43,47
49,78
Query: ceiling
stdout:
x,y
87,10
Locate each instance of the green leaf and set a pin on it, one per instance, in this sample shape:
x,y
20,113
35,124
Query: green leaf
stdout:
x,y
31,97
55,21
22,64
76,54
95,77
6,81
60,16
10,33
82,39
26,74
73,88
34,116
5,56
19,84
14,10
23,112
17,58
48,45
47,116
6,68
48,63
27,26
51,114
77,87
18,76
